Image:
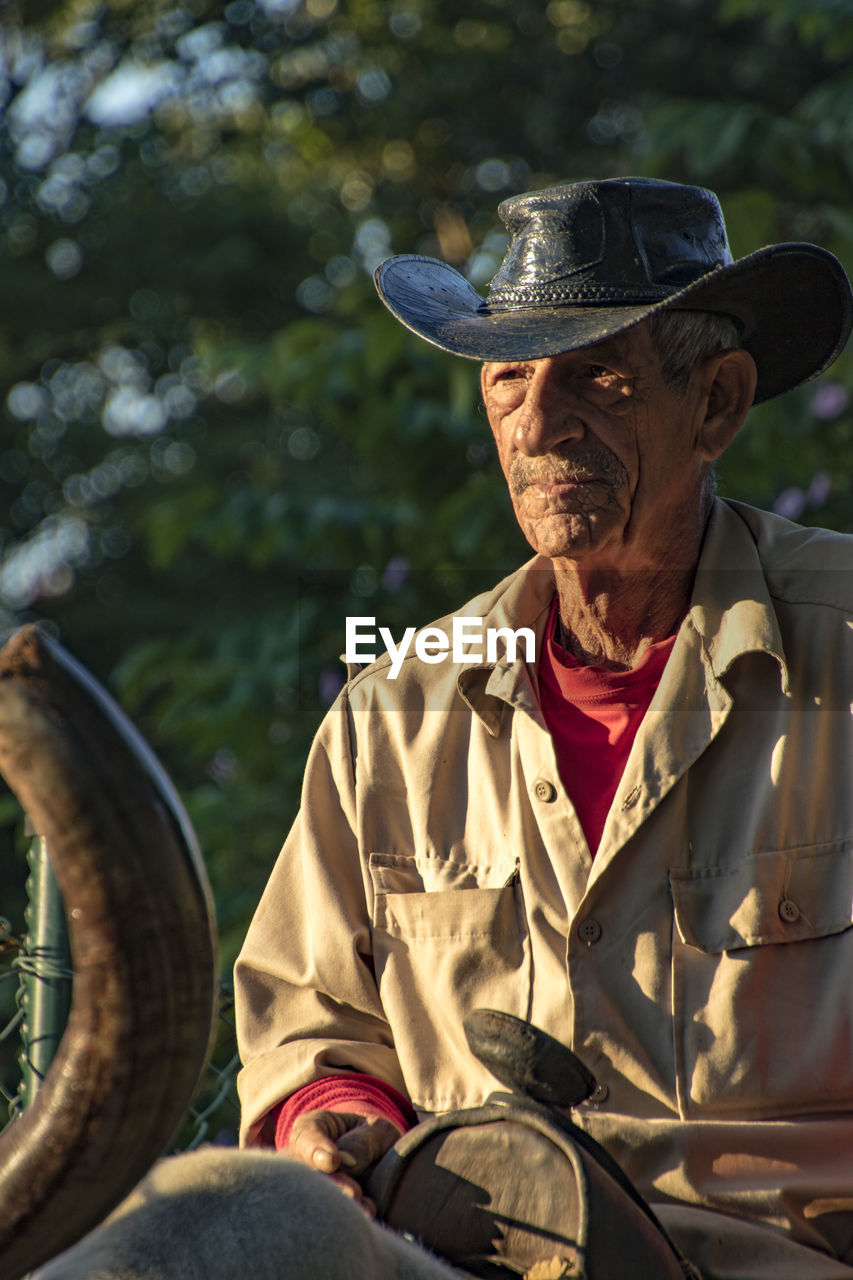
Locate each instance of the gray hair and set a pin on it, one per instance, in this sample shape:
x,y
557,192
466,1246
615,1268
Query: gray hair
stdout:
x,y
683,338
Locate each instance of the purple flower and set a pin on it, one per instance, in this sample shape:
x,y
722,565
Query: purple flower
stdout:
x,y
395,573
819,489
329,685
790,503
829,400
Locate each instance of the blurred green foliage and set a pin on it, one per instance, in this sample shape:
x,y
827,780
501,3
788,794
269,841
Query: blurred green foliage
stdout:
x,y
216,444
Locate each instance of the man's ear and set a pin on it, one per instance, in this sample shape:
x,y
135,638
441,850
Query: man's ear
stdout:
x,y
729,398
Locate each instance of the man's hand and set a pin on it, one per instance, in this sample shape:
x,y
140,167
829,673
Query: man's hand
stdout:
x,y
343,1145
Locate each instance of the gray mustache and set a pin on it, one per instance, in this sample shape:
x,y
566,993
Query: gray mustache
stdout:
x,y
590,464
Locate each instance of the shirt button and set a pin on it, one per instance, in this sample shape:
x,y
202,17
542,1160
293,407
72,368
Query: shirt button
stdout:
x,y
589,931
789,911
544,790
598,1095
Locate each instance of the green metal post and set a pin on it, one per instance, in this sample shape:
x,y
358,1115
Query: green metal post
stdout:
x,y
46,973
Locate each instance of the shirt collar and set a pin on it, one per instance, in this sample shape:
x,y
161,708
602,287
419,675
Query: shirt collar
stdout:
x,y
521,600
731,607
731,610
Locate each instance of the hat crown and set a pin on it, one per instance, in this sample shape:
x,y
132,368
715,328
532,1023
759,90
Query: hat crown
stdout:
x,y
636,239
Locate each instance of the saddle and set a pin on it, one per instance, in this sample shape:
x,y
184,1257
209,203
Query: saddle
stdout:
x,y
515,1188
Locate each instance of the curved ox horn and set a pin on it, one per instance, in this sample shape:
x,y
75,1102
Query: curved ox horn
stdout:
x,y
143,948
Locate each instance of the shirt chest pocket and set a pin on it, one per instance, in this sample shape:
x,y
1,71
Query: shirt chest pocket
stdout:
x,y
762,992
438,952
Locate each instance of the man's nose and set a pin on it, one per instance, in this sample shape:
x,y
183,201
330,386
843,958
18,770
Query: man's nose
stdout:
x,y
549,414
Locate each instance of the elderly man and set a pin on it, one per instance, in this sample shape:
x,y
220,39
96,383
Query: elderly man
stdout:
x,y
640,838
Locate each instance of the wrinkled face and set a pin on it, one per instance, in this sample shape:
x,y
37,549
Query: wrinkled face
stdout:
x,y
600,455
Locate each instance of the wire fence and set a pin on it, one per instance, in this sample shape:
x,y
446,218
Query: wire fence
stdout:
x,y
215,1112
11,994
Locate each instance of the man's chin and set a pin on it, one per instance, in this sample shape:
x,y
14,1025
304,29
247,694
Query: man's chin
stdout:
x,y
576,540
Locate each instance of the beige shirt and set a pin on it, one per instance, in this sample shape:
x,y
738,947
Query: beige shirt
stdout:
x,y
701,965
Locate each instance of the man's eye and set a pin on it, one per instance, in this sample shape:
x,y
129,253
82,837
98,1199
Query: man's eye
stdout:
x,y
608,379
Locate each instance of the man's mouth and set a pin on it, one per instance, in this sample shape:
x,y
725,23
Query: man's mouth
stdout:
x,y
562,482
553,475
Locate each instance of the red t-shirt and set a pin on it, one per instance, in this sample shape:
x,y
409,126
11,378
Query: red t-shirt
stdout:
x,y
354,1091
593,716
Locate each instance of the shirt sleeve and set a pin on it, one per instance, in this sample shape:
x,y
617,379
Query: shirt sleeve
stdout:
x,y
352,1092
307,1002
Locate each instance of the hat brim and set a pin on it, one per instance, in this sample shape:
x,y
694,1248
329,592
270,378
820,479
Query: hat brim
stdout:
x,y
792,302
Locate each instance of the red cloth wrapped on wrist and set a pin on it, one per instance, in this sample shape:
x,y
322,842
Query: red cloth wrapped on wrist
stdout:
x,y
354,1091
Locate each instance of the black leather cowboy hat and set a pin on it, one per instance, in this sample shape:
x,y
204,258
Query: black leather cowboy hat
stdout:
x,y
587,260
